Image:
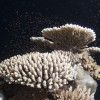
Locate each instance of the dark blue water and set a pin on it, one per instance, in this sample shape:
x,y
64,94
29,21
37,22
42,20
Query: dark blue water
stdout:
x,y
21,19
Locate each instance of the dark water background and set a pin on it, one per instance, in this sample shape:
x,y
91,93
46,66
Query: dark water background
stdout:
x,y
21,19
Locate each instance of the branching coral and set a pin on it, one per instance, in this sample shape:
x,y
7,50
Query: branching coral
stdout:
x,y
89,64
48,70
68,64
76,94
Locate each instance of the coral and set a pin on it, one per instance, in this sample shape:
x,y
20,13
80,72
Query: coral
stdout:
x,y
67,37
69,64
93,49
48,70
89,64
76,94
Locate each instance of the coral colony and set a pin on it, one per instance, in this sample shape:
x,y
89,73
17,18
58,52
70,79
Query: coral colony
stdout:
x,y
68,72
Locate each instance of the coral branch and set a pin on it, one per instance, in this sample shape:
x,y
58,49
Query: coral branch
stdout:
x,y
93,49
90,65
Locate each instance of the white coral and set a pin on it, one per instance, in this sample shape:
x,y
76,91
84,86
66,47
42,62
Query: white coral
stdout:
x,y
49,70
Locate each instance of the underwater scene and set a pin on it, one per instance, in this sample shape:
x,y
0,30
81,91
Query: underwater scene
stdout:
x,y
50,50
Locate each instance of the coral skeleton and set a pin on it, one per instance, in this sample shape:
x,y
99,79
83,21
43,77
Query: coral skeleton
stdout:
x,y
68,72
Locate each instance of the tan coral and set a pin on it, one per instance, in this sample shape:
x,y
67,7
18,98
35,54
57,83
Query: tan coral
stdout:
x,y
67,37
76,94
93,49
90,65
42,70
70,36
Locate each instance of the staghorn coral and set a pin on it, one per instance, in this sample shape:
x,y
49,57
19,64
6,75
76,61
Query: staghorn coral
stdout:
x,y
69,64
